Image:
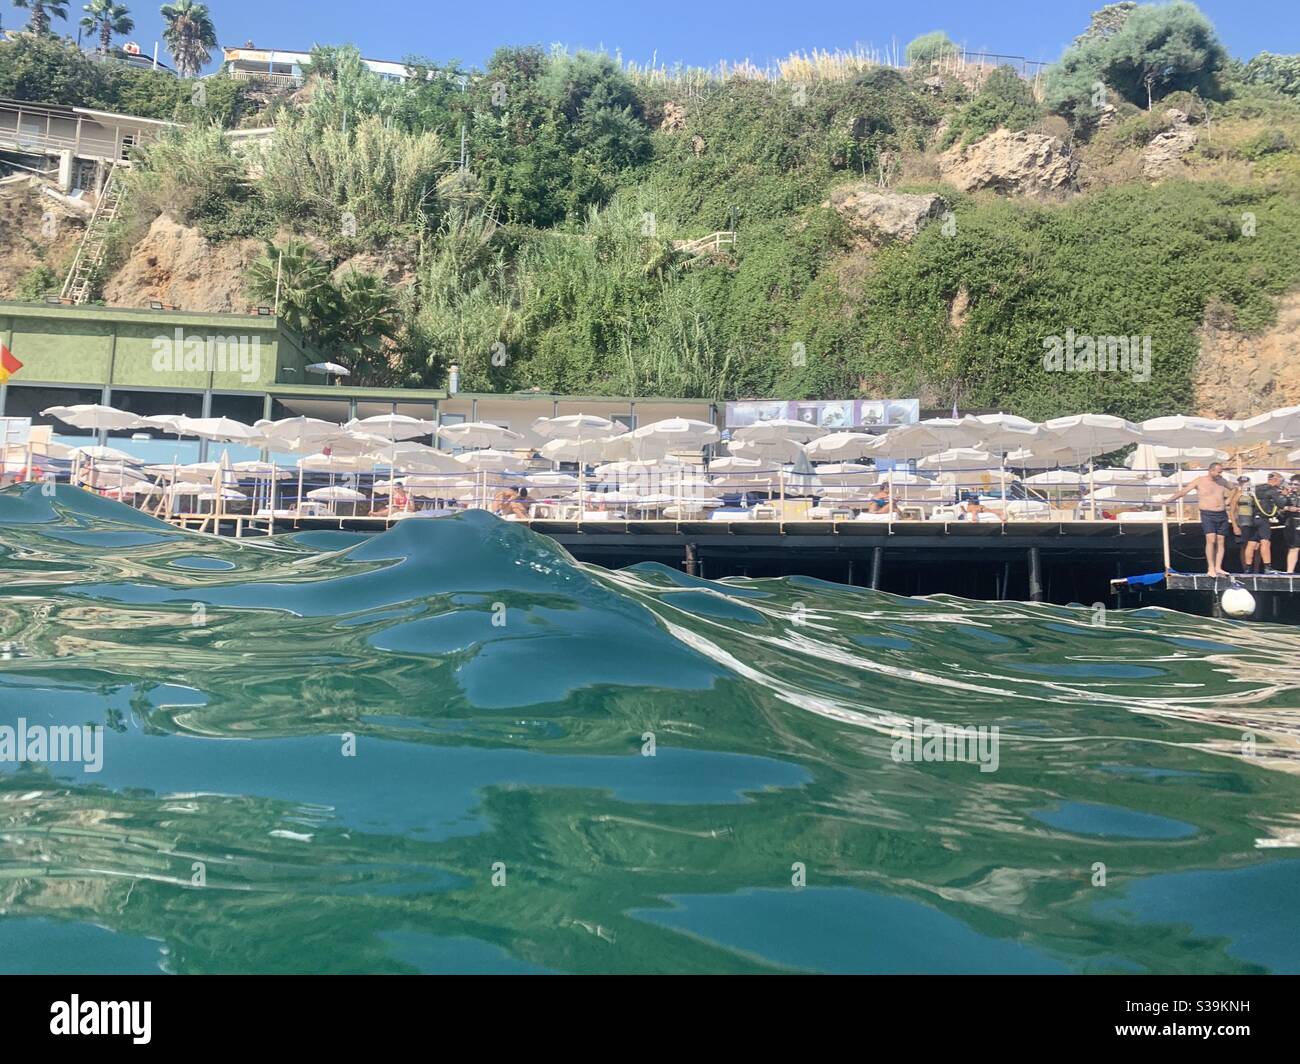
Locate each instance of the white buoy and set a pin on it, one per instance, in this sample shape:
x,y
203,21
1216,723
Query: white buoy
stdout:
x,y
1237,602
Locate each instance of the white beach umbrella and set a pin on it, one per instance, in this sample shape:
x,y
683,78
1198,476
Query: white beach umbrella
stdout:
x,y
1272,427
329,369
336,493
93,416
735,464
679,432
953,432
1091,434
565,450
411,457
336,463
219,428
840,445
844,467
1056,478
959,458
477,434
491,460
553,482
104,454
296,433
773,451
261,470
1006,432
209,493
392,426
905,441
1183,431
574,427
779,429
1185,454
1119,476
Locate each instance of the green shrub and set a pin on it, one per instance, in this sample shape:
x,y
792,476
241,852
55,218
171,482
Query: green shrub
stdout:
x,y
1005,100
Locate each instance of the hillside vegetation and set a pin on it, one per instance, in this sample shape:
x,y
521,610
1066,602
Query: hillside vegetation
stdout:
x,y
545,253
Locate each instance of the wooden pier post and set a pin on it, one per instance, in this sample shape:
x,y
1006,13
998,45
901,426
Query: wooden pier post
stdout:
x,y
1035,576
877,560
692,561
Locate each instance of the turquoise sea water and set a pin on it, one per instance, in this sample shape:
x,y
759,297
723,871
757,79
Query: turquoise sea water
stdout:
x,y
427,752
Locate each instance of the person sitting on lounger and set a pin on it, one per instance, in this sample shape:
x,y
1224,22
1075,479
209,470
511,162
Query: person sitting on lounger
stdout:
x,y
972,510
512,502
880,501
401,502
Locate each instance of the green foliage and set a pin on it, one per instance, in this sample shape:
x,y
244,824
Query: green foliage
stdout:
x,y
350,318
192,173
54,71
42,13
1133,261
930,47
552,134
190,35
363,180
1280,72
1005,100
36,282
1156,50
105,18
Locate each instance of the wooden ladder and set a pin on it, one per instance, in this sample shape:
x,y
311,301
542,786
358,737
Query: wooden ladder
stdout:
x,y
94,243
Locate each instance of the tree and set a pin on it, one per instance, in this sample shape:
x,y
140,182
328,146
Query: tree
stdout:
x,y
1280,72
930,47
107,18
1107,21
1154,51
41,10
190,36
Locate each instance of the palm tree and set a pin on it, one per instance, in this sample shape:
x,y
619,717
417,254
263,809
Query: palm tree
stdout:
x,y
189,36
107,18
39,23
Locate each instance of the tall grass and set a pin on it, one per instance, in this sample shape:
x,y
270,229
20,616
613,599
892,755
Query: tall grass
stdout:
x,y
377,174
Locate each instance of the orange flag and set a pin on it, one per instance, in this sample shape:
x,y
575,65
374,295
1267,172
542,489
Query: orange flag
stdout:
x,y
8,364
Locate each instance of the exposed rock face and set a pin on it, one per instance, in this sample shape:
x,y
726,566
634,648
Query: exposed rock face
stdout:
x,y
1021,163
674,120
883,217
1164,153
1238,376
176,265
35,230
394,268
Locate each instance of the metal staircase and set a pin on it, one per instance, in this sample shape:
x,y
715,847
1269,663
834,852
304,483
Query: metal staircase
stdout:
x,y
94,244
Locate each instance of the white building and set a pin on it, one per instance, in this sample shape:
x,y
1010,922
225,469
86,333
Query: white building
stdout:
x,y
271,64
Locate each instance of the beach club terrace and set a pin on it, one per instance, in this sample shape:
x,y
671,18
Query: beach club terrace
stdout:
x,y
233,424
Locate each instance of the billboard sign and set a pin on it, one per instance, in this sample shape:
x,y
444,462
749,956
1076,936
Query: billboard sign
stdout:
x,y
832,414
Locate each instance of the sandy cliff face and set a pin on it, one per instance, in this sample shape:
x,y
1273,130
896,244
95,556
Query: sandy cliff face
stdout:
x,y
35,230
176,265
1238,376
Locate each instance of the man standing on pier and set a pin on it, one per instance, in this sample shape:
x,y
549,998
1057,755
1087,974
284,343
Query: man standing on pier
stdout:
x,y
1212,500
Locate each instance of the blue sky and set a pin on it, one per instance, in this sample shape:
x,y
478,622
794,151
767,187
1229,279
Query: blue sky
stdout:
x,y
694,32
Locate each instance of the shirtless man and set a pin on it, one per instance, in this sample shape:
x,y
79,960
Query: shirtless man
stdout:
x,y
1212,499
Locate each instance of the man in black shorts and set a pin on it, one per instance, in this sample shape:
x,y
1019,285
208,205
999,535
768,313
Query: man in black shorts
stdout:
x,y
1212,500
